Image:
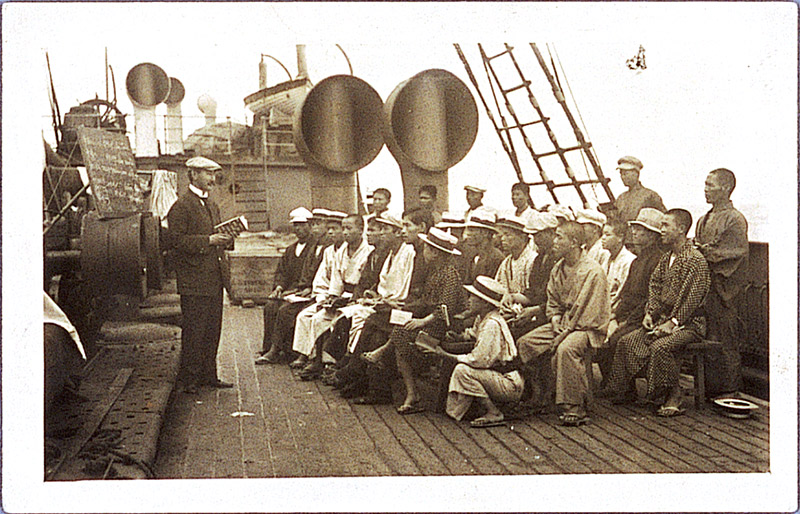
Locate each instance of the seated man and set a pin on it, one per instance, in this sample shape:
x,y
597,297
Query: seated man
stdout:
x,y
515,269
578,310
489,372
279,333
315,319
628,313
440,297
673,318
534,299
287,277
592,222
616,259
322,279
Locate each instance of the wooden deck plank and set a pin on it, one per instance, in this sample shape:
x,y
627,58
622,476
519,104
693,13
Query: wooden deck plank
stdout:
x,y
401,427
641,438
606,433
559,459
456,462
675,442
483,437
385,442
586,437
746,435
480,461
545,427
529,454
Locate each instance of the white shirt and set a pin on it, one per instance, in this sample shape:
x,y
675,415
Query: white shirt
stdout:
x,y
514,274
616,272
347,268
596,251
199,192
322,280
395,278
299,249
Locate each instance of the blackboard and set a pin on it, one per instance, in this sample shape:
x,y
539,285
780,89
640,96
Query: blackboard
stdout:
x,y
112,171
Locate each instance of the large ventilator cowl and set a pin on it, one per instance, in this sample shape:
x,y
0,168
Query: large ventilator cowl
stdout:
x,y
431,120
147,85
338,125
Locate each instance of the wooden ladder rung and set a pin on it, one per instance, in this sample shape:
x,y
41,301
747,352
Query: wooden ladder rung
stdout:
x,y
563,150
578,183
521,125
510,90
506,51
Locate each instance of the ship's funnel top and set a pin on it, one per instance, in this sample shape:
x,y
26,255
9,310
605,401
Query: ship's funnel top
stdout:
x,y
176,92
302,67
147,85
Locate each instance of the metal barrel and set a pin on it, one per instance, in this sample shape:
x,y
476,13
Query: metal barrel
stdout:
x,y
338,125
430,120
147,85
151,233
111,256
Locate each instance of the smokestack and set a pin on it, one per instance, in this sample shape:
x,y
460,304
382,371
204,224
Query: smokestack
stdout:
x,y
174,121
147,85
208,106
302,69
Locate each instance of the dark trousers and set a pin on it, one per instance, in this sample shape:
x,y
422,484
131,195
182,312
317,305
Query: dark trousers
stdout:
x,y
283,327
202,324
723,366
270,320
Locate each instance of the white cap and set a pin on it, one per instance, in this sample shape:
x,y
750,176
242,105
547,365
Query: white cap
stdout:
x,y
591,216
300,215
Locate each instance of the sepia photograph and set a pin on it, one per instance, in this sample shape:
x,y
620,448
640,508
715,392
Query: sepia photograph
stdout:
x,y
455,257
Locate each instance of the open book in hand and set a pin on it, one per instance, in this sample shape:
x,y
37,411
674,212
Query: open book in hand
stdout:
x,y
233,227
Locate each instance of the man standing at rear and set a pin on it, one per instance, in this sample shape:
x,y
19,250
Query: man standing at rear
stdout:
x,y
199,270
629,203
721,236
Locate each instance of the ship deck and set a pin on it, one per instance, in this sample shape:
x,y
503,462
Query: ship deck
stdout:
x,y
289,428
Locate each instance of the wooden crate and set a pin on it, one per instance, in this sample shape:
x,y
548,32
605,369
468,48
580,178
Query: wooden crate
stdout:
x,y
253,265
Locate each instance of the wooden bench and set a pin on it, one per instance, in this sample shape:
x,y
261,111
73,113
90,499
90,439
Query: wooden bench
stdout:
x,y
697,352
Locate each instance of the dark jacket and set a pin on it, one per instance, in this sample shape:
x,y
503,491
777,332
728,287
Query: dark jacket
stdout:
x,y
290,266
198,265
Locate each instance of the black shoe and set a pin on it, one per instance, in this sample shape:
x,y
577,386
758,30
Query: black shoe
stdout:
x,y
299,362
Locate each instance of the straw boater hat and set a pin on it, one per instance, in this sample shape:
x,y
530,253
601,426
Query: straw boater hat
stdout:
x,y
541,221
512,222
388,219
335,216
649,218
629,162
300,215
591,216
319,214
450,220
441,240
201,163
487,289
481,219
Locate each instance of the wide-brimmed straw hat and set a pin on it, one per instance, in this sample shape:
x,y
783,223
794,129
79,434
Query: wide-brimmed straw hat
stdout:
x,y
649,218
441,240
488,289
482,219
451,220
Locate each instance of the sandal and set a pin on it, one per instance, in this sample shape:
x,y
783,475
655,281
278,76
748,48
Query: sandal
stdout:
x,y
413,408
669,412
574,420
486,423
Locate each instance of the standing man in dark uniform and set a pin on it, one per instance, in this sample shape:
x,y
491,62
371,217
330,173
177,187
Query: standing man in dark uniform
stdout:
x,y
199,270
629,203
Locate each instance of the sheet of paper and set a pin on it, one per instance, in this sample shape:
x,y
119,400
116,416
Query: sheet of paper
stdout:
x,y
398,317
